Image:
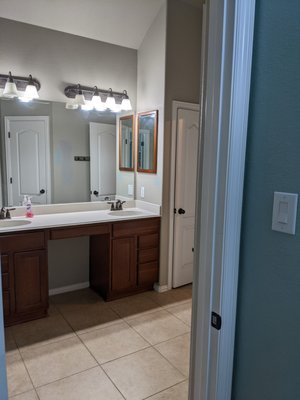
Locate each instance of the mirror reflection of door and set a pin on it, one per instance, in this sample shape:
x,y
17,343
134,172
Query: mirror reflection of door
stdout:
x,y
147,142
102,161
27,159
126,144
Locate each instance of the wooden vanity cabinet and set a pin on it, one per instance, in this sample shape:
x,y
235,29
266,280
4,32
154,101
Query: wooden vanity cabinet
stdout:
x,y
133,265
24,276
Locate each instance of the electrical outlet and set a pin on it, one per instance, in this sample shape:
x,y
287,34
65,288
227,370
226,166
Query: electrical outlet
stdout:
x,y
142,192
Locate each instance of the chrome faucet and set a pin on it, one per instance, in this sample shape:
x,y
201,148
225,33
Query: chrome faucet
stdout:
x,y
116,205
5,213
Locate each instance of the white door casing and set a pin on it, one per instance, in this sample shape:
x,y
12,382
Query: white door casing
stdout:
x,y
28,159
187,134
226,76
102,160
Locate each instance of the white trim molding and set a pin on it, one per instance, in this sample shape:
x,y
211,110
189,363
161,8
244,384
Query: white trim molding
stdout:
x,y
226,75
160,288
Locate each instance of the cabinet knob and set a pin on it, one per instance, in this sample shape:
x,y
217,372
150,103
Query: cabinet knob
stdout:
x,y
181,211
95,193
42,191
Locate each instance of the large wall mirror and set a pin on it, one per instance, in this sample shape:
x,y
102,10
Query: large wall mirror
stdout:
x,y
57,155
126,143
147,142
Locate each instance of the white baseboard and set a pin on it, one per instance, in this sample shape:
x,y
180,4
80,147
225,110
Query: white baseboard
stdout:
x,y
160,288
70,288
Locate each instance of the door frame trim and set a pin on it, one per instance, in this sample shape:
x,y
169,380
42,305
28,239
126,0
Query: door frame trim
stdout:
x,y
7,121
226,74
176,105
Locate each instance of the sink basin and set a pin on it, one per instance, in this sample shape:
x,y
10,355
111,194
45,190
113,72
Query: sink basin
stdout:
x,y
124,213
7,223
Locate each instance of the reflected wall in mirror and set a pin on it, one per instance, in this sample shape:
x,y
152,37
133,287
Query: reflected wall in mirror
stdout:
x,y
147,142
126,143
71,173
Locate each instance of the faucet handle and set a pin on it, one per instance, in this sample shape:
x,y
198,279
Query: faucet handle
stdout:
x,y
112,205
2,213
8,216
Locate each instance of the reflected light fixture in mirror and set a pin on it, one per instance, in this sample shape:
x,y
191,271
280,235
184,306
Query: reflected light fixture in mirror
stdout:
x,y
14,86
90,98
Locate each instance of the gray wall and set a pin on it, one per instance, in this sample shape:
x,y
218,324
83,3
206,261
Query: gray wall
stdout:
x,y
151,96
58,59
184,24
267,350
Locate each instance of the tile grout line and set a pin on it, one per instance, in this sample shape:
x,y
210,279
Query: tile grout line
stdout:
x,y
92,356
161,391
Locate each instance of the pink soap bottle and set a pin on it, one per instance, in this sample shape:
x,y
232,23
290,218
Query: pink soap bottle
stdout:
x,y
29,213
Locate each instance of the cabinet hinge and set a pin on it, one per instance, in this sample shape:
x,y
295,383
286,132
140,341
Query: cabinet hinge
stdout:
x,y
10,180
8,134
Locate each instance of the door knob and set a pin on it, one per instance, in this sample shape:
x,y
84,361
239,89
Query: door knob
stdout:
x,y
42,191
95,192
181,211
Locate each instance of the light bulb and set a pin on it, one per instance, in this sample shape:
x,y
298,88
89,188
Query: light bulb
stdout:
x,y
110,101
97,102
126,104
31,91
71,104
88,106
79,98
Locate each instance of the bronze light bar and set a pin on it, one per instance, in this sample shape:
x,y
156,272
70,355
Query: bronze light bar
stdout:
x,y
88,91
20,81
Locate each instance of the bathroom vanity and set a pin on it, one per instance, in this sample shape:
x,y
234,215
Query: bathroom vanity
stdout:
x,y
124,257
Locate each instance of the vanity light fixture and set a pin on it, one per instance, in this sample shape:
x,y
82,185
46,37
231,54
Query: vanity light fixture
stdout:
x,y
14,85
126,104
31,90
97,101
95,98
10,89
110,101
79,98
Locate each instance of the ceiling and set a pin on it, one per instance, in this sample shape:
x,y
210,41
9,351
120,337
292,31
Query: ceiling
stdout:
x,y
121,22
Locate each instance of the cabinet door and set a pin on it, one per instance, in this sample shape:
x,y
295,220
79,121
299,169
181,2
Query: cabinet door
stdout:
x,y
7,285
124,264
31,281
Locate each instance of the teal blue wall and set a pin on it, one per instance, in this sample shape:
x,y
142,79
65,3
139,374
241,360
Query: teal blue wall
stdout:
x,y
267,351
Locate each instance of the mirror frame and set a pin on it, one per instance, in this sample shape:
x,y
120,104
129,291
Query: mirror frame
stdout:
x,y
120,143
154,169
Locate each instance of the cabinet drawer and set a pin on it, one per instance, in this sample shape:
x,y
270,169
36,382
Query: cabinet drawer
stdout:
x,y
6,304
4,263
137,227
148,274
5,281
77,231
22,241
146,241
148,255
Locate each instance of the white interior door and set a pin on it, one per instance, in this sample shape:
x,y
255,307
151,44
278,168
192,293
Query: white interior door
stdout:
x,y
103,160
185,195
27,156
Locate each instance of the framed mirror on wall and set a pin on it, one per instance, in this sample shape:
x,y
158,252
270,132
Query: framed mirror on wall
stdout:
x,y
147,123
126,143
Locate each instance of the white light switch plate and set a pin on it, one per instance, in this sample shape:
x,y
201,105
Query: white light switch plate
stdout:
x,y
285,212
130,190
142,192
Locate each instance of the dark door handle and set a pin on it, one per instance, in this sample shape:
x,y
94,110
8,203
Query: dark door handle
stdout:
x,y
181,211
95,192
42,191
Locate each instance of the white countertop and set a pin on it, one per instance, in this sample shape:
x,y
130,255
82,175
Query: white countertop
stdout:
x,y
60,219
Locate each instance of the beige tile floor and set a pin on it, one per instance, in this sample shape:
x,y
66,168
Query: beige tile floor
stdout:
x,y
134,348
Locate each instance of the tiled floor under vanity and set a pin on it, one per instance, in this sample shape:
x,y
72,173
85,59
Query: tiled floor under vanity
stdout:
x,y
133,348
